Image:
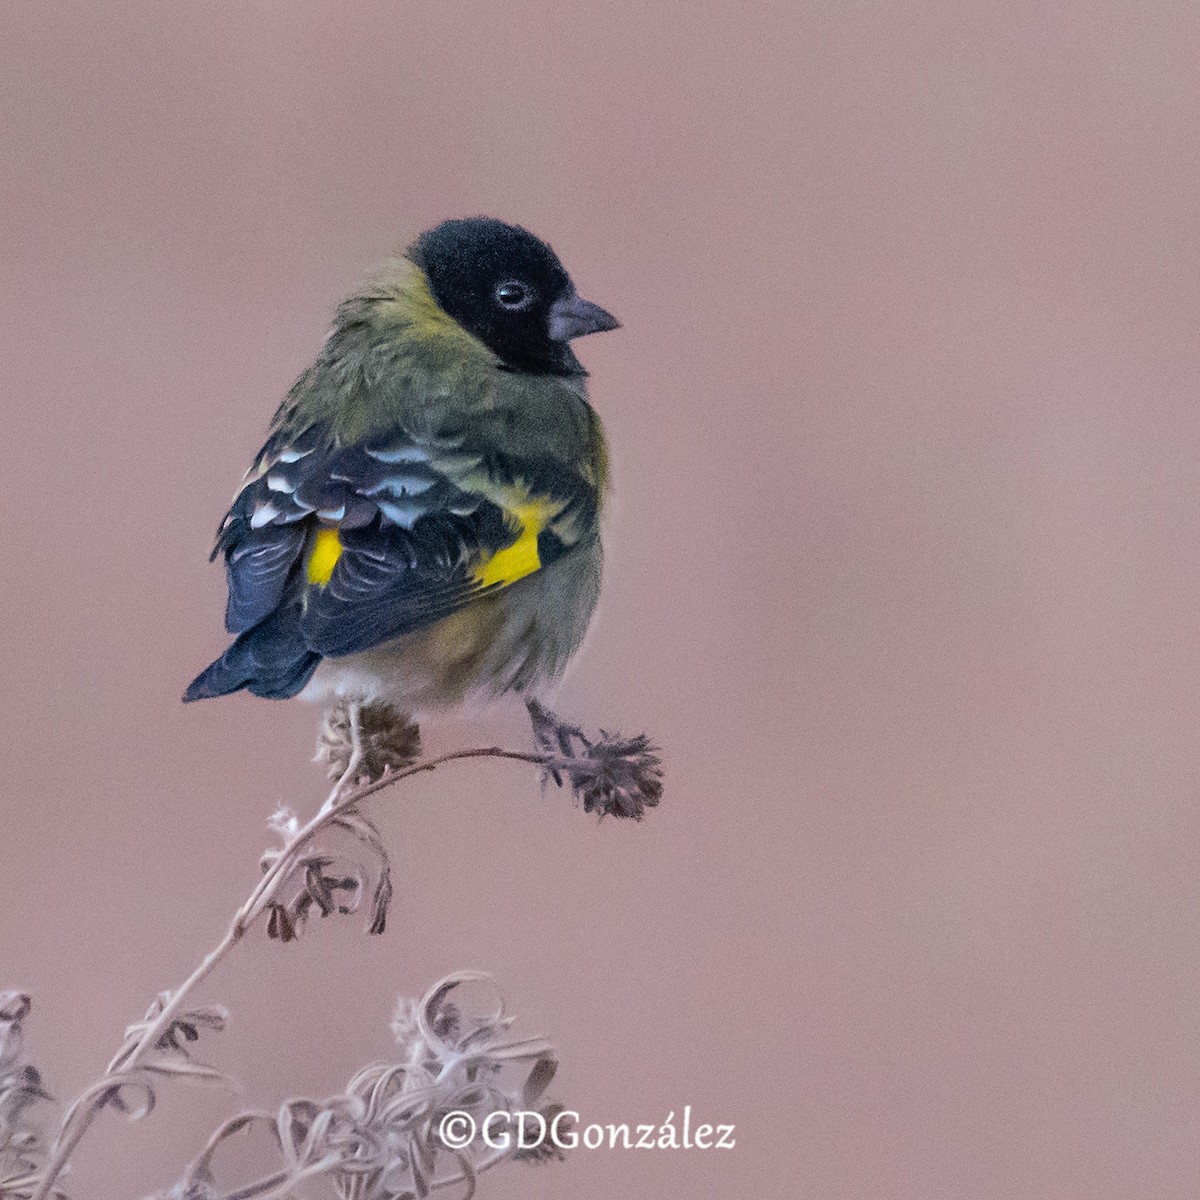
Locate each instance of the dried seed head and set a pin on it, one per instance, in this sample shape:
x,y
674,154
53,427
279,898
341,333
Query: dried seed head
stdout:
x,y
388,739
614,776
619,777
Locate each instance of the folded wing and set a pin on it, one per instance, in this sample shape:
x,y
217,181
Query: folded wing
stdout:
x,y
331,549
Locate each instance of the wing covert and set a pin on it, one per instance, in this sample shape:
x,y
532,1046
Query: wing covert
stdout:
x,y
378,539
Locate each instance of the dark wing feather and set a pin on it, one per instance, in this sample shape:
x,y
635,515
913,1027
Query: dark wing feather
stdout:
x,y
387,582
271,660
409,535
257,571
415,519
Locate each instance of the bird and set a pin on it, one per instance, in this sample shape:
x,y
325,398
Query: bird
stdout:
x,y
421,528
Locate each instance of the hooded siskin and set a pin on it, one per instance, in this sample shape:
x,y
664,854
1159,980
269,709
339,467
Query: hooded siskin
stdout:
x,y
422,525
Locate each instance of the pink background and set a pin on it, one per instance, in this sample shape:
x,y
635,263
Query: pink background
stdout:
x,y
902,572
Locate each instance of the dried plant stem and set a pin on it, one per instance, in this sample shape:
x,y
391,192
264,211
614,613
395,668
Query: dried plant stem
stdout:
x,y
81,1114
282,1185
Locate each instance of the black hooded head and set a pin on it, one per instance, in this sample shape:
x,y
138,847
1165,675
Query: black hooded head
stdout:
x,y
508,288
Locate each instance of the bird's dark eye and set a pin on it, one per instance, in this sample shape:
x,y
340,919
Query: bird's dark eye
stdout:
x,y
513,294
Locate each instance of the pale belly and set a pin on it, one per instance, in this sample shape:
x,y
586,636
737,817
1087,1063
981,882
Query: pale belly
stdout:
x,y
519,639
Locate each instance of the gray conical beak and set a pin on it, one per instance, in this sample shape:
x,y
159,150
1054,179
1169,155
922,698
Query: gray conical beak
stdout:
x,y
571,316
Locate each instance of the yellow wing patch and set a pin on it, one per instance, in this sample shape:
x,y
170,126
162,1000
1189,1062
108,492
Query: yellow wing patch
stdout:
x,y
502,568
521,558
327,549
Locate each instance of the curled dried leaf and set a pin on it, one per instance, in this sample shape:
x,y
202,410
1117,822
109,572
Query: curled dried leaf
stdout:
x,y
327,880
280,926
321,888
320,882
381,900
22,1147
381,1138
539,1079
14,1008
183,1030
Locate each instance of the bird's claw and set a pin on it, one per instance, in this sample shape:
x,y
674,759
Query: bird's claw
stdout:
x,y
554,737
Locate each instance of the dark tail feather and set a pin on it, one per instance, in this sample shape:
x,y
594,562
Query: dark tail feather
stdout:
x,y
271,660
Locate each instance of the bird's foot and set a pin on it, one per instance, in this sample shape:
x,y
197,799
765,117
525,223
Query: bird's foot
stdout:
x,y
554,736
